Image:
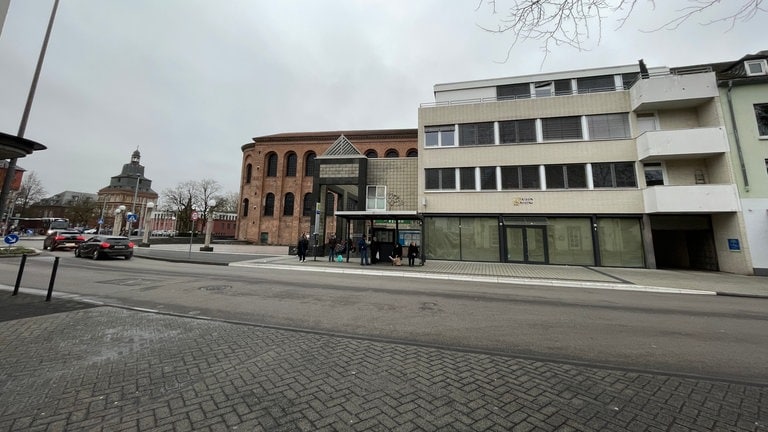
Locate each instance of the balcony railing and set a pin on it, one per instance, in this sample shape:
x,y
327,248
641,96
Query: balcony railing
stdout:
x,y
679,89
706,198
671,144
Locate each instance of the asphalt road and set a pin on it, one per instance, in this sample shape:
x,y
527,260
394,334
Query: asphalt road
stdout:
x,y
701,336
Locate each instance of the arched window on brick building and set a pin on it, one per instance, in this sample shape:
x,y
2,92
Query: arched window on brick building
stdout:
x,y
272,165
288,204
309,164
290,165
308,206
269,204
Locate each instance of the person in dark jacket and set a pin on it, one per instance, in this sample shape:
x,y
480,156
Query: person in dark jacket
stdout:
x,y
413,252
395,256
363,245
303,247
332,252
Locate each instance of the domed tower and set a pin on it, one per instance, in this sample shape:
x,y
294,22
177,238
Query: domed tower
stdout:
x,y
129,188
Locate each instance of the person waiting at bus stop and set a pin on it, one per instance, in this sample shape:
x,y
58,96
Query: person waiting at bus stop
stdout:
x,y
363,246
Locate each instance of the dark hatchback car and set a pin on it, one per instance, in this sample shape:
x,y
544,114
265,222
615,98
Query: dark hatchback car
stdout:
x,y
62,239
102,246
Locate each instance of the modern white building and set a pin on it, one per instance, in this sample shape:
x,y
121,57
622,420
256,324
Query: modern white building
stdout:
x,y
617,166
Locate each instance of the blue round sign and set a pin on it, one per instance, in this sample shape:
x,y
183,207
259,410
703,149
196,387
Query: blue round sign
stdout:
x,y
11,239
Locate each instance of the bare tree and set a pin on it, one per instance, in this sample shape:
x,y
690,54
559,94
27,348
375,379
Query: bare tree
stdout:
x,y
82,212
573,22
227,202
189,196
30,192
207,189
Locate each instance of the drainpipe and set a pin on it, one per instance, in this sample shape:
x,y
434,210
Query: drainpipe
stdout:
x,y
736,137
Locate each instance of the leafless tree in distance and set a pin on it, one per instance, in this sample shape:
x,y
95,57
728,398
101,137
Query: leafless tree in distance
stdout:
x,y
30,192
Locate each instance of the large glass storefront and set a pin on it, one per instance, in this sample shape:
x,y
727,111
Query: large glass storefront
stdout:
x,y
536,240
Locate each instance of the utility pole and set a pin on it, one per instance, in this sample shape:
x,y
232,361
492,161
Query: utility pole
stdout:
x,y
11,171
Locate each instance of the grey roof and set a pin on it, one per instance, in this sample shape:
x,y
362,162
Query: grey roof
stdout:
x,y
342,147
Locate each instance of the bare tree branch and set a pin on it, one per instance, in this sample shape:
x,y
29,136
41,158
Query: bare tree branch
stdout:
x,y
572,23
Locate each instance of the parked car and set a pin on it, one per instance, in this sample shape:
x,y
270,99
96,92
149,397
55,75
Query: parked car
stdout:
x,y
62,239
90,231
101,246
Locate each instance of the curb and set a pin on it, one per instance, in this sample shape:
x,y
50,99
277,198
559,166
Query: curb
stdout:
x,y
485,279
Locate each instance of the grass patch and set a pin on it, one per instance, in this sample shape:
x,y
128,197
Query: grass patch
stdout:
x,y
14,251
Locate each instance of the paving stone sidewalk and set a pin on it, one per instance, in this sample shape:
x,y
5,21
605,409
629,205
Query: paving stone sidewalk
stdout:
x,y
104,368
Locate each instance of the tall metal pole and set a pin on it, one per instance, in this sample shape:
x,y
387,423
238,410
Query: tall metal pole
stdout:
x,y
11,171
133,206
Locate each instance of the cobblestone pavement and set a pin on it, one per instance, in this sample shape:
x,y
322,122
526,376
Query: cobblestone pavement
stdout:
x,y
105,368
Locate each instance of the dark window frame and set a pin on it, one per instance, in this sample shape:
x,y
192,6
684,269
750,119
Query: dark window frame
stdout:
x,y
476,134
761,118
520,131
289,201
269,204
248,172
608,126
291,161
440,179
562,129
272,165
309,164
307,208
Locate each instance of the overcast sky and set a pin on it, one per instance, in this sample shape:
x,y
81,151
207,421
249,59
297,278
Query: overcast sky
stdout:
x,y
189,82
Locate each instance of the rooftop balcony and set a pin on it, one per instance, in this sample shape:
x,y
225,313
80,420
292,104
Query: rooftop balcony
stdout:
x,y
682,143
708,198
683,89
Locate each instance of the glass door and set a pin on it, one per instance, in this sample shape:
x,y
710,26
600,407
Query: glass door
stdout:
x,y
526,244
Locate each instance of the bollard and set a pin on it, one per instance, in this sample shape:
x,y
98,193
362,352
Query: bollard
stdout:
x,y
53,279
21,272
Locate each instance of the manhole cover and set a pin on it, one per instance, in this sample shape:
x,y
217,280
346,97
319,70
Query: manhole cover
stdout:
x,y
215,287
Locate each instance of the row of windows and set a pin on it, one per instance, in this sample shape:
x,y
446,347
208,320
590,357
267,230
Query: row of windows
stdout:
x,y
590,127
593,84
309,163
288,205
540,177
290,166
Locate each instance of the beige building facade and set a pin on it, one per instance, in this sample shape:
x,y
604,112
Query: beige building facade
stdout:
x,y
619,166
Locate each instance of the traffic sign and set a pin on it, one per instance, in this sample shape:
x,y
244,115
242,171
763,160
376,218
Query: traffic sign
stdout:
x,y
101,221
195,216
11,239
132,217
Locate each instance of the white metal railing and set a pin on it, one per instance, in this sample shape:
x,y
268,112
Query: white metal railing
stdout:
x,y
679,71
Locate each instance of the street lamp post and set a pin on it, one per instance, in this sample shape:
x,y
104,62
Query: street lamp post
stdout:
x,y
133,206
147,217
118,220
208,227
